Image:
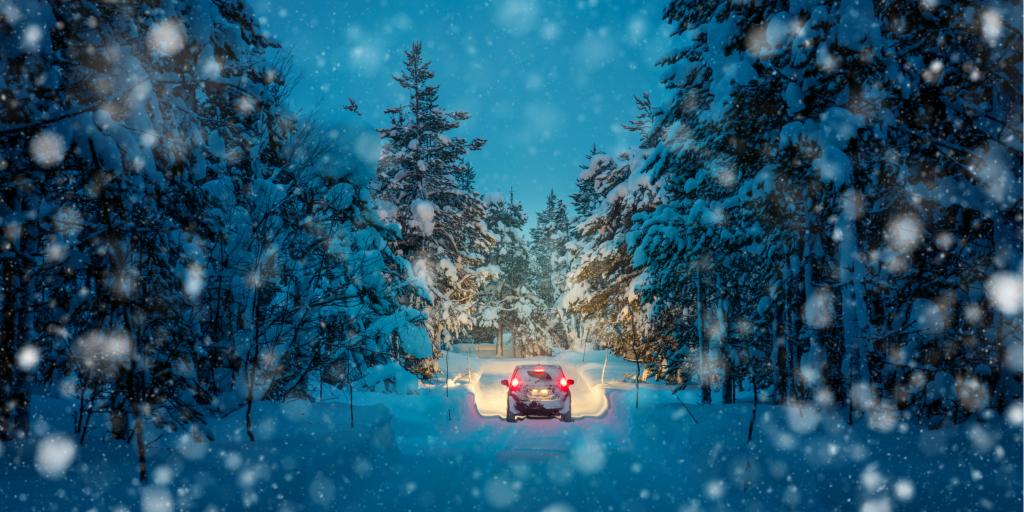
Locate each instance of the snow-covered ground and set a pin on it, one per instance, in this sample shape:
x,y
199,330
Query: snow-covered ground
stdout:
x,y
450,450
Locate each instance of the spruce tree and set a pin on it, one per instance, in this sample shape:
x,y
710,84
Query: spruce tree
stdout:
x,y
423,181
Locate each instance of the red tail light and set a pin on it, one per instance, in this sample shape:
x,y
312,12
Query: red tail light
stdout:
x,y
515,383
564,382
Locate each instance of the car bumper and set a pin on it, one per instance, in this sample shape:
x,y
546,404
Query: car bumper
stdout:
x,y
538,407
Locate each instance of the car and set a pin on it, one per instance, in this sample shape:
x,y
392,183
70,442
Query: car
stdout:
x,y
538,390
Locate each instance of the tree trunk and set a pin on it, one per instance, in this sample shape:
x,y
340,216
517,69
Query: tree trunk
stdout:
x,y
851,280
604,366
118,420
781,375
705,386
753,416
636,355
351,405
728,390
7,352
88,419
248,413
252,360
499,341
728,382
80,414
140,440
788,338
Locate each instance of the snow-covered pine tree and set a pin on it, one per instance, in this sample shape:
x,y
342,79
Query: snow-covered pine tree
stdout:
x,y
422,181
123,145
596,170
508,303
342,279
549,261
603,276
820,193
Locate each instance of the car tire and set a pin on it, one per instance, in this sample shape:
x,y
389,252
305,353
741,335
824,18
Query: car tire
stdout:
x,y
508,415
567,417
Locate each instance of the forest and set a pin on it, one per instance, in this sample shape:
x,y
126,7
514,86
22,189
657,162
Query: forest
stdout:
x,y
821,205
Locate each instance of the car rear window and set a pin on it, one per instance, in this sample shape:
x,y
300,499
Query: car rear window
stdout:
x,y
537,375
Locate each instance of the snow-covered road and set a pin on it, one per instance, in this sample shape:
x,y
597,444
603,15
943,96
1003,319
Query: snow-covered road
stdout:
x,y
438,450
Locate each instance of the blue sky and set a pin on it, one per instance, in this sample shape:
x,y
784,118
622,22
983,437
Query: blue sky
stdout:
x,y
542,80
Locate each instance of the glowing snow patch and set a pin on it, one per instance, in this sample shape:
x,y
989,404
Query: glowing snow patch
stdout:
x,y
903,233
195,281
27,358
166,38
47,149
991,26
54,455
1004,292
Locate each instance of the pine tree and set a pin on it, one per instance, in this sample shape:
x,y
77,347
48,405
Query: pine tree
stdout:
x,y
509,303
835,189
603,277
424,179
549,259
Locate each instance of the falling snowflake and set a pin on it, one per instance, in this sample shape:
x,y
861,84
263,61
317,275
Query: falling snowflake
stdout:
x,y
31,37
991,26
818,309
166,38
903,234
27,358
245,104
423,212
47,149
54,455
211,68
1004,292
103,350
904,490
195,281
